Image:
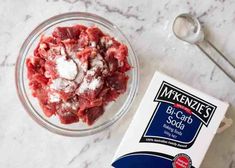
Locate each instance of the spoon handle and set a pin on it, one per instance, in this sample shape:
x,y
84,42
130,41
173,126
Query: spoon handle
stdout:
x,y
221,54
216,63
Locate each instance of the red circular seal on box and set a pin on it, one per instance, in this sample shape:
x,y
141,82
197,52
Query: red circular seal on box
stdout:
x,y
182,161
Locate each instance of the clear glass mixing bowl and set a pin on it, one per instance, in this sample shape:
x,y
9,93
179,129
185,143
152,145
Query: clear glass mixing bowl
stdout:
x,y
113,112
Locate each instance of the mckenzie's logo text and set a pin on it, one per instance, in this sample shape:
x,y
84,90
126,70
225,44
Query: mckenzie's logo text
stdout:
x,y
184,100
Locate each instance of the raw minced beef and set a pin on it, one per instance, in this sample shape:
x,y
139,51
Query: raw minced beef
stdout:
x,y
76,72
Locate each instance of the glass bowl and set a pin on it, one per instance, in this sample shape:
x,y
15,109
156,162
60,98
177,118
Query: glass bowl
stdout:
x,y
113,111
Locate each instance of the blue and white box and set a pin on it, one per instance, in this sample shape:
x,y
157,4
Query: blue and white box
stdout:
x,y
173,127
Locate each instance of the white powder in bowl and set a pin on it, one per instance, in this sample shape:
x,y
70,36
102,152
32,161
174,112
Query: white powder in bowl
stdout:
x,y
89,85
63,84
53,97
66,68
98,61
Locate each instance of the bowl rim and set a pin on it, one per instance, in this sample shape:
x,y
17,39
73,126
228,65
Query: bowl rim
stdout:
x,y
48,125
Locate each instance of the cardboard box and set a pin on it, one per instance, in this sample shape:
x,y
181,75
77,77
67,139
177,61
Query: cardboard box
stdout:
x,y
173,127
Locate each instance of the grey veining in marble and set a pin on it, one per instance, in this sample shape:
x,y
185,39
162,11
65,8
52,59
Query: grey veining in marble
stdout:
x,y
147,24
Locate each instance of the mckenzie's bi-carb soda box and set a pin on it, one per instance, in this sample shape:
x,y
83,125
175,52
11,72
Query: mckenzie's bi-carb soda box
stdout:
x,y
173,127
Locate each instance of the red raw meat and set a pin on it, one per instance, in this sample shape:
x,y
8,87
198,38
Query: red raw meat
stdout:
x,y
94,34
92,114
68,32
101,66
118,82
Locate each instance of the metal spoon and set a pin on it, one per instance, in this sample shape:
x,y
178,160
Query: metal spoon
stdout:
x,y
188,28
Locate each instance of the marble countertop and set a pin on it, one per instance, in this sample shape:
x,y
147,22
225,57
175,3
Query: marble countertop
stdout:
x,y
147,24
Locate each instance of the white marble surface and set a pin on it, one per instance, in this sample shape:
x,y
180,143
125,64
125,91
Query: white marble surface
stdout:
x,y
147,24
